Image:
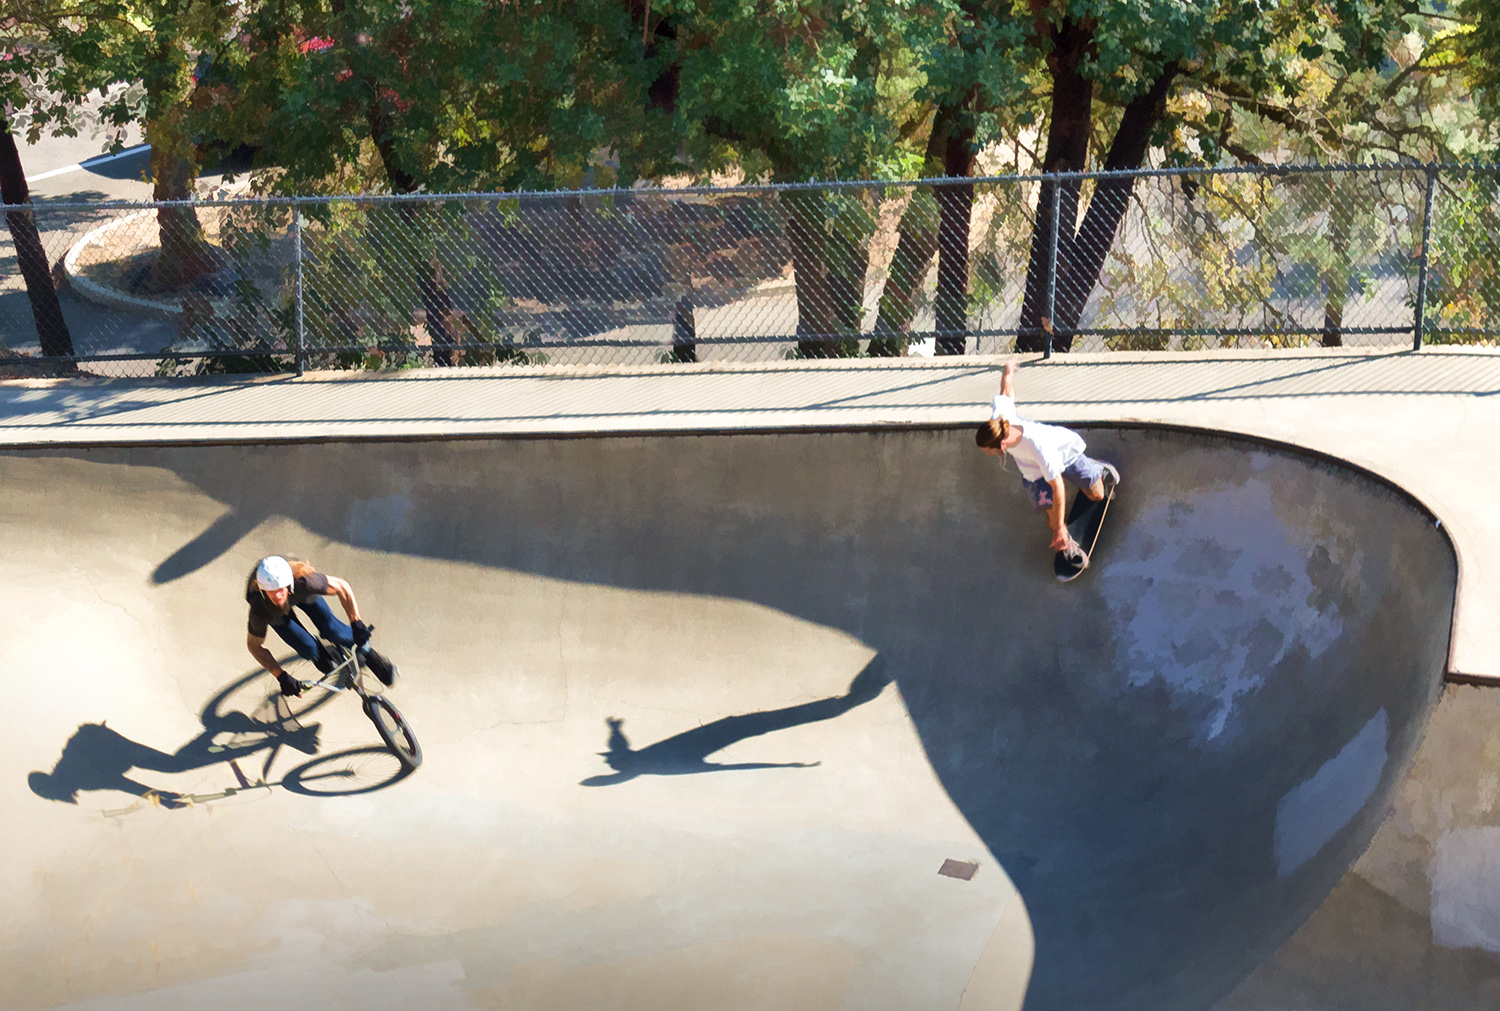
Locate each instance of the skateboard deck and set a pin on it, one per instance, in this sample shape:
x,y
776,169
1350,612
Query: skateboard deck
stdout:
x,y
1085,517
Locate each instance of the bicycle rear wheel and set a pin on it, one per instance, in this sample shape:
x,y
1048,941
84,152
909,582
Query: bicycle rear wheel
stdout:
x,y
394,730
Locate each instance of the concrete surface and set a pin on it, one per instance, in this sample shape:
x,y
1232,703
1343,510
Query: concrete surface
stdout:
x,y
1413,924
704,716
1416,923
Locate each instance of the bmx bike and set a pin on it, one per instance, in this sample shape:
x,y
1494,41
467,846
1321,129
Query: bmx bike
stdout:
x,y
348,675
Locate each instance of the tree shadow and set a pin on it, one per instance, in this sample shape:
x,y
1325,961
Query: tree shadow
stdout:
x,y
100,758
686,753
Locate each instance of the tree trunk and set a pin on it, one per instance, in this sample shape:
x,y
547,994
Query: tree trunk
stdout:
x,y
1336,277
915,248
1086,252
955,207
684,332
1067,151
432,286
804,232
46,310
955,211
184,255
846,253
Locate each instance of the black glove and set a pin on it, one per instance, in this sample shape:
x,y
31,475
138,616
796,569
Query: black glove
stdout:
x,y
361,632
289,685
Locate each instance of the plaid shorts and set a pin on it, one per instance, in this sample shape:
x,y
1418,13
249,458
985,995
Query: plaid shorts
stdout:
x,y
1083,471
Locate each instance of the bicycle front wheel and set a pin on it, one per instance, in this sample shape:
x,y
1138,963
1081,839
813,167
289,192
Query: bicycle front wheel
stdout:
x,y
394,730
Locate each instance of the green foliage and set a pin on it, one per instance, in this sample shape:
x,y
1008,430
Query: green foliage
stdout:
x,y
1406,98
797,91
134,58
342,96
1463,289
444,95
1476,51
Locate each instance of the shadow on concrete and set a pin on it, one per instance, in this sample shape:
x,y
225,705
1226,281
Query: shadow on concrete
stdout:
x,y
217,538
100,758
686,753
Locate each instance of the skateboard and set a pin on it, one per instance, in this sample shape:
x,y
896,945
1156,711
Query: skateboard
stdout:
x,y
1085,517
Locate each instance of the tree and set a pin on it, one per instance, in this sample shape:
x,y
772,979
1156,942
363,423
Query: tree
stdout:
x,y
22,64
138,59
1412,106
458,95
970,76
1476,40
938,82
1113,67
787,93
463,95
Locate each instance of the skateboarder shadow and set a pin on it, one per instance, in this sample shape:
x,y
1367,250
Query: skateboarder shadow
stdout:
x,y
687,752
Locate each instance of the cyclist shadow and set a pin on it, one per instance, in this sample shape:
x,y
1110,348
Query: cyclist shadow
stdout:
x,y
100,758
687,753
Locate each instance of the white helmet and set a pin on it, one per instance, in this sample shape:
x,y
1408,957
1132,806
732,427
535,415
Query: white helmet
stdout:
x,y
273,573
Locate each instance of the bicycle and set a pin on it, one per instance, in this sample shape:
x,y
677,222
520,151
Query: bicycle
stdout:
x,y
348,675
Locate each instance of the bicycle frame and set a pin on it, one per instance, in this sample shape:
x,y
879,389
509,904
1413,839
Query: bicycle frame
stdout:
x,y
346,676
389,723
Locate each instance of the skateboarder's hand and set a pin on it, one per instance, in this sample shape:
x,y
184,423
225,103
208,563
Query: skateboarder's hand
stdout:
x,y
289,685
1063,541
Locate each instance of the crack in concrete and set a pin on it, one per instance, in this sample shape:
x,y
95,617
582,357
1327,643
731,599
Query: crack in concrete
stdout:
x,y
89,576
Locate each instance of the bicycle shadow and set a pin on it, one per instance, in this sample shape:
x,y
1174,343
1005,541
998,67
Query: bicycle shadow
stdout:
x,y
99,758
687,753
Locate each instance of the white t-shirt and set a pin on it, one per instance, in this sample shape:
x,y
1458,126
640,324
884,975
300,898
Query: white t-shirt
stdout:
x,y
1045,451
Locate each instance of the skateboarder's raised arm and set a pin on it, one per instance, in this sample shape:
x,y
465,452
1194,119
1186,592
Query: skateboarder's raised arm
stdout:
x,y
1061,539
1007,384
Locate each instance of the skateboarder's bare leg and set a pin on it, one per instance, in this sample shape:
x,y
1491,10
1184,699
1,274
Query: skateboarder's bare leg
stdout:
x,y
1096,490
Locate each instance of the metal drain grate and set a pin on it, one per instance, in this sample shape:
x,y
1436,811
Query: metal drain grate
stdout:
x,y
961,869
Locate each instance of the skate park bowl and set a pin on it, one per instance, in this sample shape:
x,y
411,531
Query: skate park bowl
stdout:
x,y
740,720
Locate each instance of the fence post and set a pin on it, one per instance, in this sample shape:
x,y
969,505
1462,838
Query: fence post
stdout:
x,y
1420,317
299,332
1051,303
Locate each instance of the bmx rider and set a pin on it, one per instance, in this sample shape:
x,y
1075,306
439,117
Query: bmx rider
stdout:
x,y
275,588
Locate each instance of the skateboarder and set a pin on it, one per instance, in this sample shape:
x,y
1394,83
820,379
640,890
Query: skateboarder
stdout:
x,y
1045,454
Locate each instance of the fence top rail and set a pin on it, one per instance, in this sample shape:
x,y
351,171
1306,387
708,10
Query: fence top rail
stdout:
x,y
536,196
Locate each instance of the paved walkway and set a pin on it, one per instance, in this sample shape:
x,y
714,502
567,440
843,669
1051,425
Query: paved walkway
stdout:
x,y
1425,420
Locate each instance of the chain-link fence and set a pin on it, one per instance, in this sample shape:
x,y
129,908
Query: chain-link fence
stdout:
x,y
1158,260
